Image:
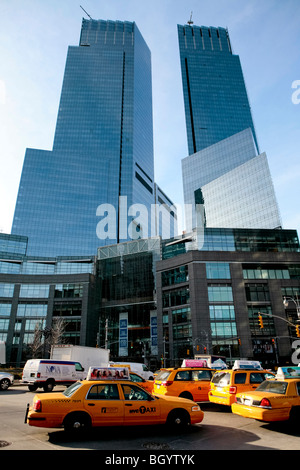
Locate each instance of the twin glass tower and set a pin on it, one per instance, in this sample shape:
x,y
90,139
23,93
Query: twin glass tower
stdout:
x,y
224,173
78,196
102,160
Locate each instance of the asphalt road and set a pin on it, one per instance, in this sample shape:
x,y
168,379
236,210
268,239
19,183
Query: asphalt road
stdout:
x,y
220,430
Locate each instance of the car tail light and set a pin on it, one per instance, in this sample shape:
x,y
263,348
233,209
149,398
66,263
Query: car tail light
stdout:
x,y
167,383
232,389
265,403
37,406
38,375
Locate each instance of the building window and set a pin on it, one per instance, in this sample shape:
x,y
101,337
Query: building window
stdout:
x,y
176,297
223,330
6,290
181,315
268,321
221,312
175,276
34,291
32,310
220,293
4,324
257,293
182,331
67,310
218,271
5,309
68,290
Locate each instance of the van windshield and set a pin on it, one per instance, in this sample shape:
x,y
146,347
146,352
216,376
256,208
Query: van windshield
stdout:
x,y
70,390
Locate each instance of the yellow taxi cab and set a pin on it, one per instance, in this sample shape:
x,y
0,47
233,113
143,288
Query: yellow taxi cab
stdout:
x,y
109,398
191,381
146,384
245,375
274,400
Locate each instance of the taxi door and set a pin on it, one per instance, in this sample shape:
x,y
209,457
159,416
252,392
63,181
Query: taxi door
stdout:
x,y
201,384
138,409
104,405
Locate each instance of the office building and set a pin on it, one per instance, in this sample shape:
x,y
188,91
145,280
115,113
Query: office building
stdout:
x,y
224,171
209,299
80,195
152,299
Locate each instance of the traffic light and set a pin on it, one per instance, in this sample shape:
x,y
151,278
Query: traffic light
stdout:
x,y
205,349
273,341
297,330
260,321
239,341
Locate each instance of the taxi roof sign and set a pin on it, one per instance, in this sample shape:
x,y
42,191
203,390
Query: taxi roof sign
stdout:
x,y
255,365
219,364
194,363
108,373
288,372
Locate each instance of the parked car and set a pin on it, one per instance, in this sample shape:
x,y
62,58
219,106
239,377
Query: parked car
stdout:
x,y
6,380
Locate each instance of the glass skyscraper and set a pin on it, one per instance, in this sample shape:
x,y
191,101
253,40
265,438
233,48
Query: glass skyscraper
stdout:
x,y
224,171
215,96
80,195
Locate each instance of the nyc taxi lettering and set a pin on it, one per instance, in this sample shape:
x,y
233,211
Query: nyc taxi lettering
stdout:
x,y
144,409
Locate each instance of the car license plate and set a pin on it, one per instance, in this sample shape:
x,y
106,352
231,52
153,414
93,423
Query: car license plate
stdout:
x,y
157,386
247,402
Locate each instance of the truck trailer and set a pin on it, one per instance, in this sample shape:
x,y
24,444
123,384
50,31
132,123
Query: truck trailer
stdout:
x,y
87,356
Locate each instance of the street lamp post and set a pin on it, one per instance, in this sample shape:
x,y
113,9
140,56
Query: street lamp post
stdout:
x,y
296,302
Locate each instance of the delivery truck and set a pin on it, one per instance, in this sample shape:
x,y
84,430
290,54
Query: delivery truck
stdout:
x,y
87,356
46,373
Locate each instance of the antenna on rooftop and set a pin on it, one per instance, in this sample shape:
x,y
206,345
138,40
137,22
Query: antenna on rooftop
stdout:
x,y
85,12
190,22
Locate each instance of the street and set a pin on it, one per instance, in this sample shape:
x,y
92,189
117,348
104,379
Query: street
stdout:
x,y
220,430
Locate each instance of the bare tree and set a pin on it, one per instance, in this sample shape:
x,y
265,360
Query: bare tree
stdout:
x,y
36,347
57,331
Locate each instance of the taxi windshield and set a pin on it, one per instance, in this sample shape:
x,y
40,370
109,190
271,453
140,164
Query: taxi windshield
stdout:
x,y
70,390
163,375
273,387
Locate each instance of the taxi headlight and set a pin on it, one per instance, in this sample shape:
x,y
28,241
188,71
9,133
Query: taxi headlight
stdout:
x,y
196,408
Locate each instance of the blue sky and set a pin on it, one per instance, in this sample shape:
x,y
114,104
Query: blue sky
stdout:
x,y
34,38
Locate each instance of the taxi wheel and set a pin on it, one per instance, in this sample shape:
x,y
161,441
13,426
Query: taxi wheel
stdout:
x,y
187,395
77,422
178,419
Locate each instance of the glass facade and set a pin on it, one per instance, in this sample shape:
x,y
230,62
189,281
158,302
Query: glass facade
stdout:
x,y
215,96
224,163
236,240
69,198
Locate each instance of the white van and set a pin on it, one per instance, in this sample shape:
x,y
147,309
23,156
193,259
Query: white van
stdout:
x,y
139,368
46,373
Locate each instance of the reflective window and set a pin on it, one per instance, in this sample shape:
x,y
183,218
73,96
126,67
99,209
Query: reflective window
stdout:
x,y
34,290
